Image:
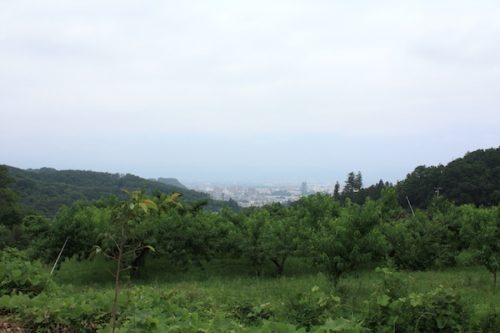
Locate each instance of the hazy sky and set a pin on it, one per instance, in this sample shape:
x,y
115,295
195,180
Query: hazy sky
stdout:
x,y
248,91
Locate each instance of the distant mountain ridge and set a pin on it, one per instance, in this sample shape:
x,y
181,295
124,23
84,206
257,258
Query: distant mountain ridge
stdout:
x,y
46,189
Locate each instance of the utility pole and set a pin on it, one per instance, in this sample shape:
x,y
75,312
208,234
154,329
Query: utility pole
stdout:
x,y
437,189
409,204
59,256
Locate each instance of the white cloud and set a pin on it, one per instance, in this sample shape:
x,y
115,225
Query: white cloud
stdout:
x,y
387,69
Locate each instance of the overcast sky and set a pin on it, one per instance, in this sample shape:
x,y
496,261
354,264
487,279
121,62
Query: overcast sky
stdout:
x,y
248,91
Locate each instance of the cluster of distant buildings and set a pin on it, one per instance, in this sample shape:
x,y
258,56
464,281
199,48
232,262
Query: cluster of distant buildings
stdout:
x,y
259,195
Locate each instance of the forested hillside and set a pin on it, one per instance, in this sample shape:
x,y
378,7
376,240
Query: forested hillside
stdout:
x,y
46,190
474,178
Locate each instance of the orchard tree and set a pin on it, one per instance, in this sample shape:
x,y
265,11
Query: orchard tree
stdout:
x,y
253,238
189,237
414,242
487,244
121,242
351,240
314,210
148,233
286,235
81,225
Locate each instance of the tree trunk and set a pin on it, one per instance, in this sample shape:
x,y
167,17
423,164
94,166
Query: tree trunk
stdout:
x,y
494,280
117,289
280,265
139,261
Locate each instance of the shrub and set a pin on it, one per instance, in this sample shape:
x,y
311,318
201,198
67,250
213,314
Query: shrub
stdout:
x,y
487,320
252,314
341,325
19,275
392,309
312,308
440,310
59,310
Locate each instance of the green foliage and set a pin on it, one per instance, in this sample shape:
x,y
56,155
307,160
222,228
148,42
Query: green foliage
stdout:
x,y
341,325
316,209
393,284
311,308
10,212
344,234
487,244
46,190
393,310
35,234
18,275
250,314
415,242
190,237
252,240
351,240
82,224
208,305
272,233
60,311
474,179
486,320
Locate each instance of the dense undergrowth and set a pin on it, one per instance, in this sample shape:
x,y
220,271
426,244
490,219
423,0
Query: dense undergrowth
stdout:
x,y
304,300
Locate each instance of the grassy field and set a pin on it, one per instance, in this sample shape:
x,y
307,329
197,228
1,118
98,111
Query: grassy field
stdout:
x,y
224,296
223,287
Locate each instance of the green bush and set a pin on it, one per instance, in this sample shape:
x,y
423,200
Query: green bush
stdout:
x,y
250,314
19,275
340,325
393,309
311,308
487,321
440,310
59,310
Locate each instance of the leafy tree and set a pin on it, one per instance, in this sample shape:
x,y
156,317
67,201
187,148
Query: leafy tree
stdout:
x,y
487,244
10,211
420,185
390,208
350,183
414,242
186,238
316,209
336,191
122,242
351,240
285,236
474,178
252,240
82,225
358,182
35,235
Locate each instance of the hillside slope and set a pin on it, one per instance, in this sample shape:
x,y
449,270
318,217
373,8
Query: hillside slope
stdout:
x,y
474,178
171,182
47,189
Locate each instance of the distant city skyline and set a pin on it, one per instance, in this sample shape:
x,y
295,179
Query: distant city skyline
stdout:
x,y
248,92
